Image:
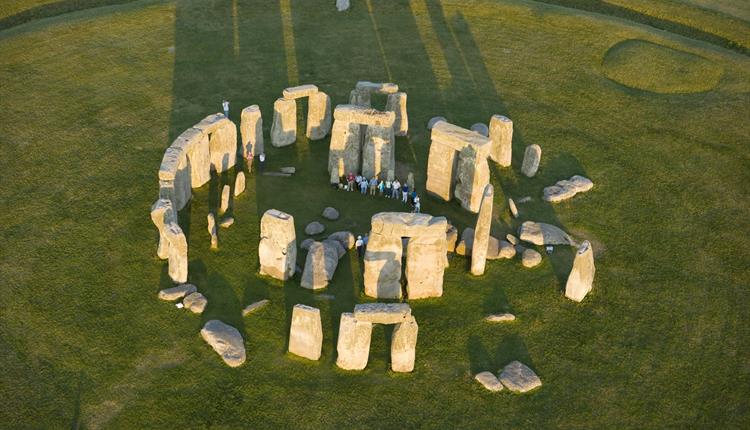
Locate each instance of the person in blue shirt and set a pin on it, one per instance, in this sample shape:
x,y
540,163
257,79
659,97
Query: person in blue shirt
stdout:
x,y
405,193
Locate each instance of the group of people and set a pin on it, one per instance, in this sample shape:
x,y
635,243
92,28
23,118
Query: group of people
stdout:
x,y
374,186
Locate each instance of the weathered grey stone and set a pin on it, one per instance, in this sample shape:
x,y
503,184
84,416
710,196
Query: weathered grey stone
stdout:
x,y
306,332
195,302
225,194
177,292
353,346
530,258
501,134
254,307
330,213
194,144
161,215
284,127
342,5
239,184
378,151
227,222
397,103
364,116
300,91
251,131
278,245
512,239
567,188
314,228
540,233
178,253
513,208
504,249
320,266
506,317
434,120
346,238
489,381
531,158
318,116
345,148
289,170
518,378
425,265
174,173
404,345
382,313
226,341
451,237
520,249
482,233
410,181
581,276
481,129
307,243
222,143
336,245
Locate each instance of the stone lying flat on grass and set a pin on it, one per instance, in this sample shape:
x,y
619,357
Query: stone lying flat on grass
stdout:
x,y
451,236
307,243
314,228
288,170
282,174
345,238
540,234
330,213
512,239
254,307
517,377
195,302
382,313
497,249
177,292
342,5
489,381
513,208
335,244
530,258
227,222
567,188
531,158
500,317
226,341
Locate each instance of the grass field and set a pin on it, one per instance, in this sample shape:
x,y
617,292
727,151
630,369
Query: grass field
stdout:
x,y
91,99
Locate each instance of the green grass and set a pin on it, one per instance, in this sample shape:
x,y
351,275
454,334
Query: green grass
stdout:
x,y
91,100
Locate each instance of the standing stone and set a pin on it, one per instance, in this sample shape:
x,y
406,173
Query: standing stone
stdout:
x,y
404,346
382,263
318,116
481,129
379,151
353,345
473,174
222,144
306,332
178,253
211,219
161,215
284,127
195,145
425,265
581,276
518,378
345,148
451,237
320,266
226,341
239,184
410,181
251,131
482,233
342,5
531,158
513,208
278,245
397,103
501,134
225,193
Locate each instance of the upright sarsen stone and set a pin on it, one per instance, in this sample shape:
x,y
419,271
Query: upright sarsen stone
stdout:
x,y
581,276
353,346
482,233
284,127
501,134
278,245
318,116
397,103
379,151
382,263
251,131
404,346
162,214
345,148
306,332
178,253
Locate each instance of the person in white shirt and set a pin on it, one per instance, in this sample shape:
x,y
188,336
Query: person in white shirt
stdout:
x,y
396,189
417,205
359,244
225,105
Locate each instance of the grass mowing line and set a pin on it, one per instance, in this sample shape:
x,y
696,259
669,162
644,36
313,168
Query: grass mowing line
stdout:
x,y
287,26
54,9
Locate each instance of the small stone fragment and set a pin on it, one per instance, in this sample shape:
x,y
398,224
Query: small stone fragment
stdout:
x,y
314,228
226,341
330,213
500,317
434,121
342,5
481,129
196,302
517,377
567,188
306,332
531,158
512,239
227,222
531,258
224,199
254,307
382,313
524,199
177,292
239,184
307,243
513,208
489,381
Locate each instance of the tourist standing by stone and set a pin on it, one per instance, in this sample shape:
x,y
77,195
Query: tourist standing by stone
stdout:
x,y
373,185
405,193
396,189
350,182
262,161
225,105
359,244
381,187
417,205
388,188
363,186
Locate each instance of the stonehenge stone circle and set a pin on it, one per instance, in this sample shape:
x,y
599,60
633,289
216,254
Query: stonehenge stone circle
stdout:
x,y
519,378
225,194
481,129
482,233
489,381
501,135
404,345
239,184
278,245
353,346
306,332
425,261
177,292
540,234
397,104
581,276
226,341
320,265
347,149
531,158
472,172
567,188
254,307
251,132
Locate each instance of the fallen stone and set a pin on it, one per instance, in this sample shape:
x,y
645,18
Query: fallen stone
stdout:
x,y
227,222
567,188
581,276
314,228
540,234
325,296
524,199
531,258
195,302
342,5
224,199
320,266
330,213
288,170
226,341
500,318
512,239
353,346
254,307
345,238
177,292
531,158
513,208
280,174
404,345
306,332
239,184
434,121
497,249
335,244
489,381
382,313
481,129
307,243
517,377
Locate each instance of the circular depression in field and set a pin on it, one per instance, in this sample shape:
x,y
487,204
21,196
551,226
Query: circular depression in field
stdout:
x,y
656,68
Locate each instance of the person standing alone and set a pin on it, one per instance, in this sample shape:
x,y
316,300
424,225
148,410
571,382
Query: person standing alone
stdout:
x,y
225,105
262,159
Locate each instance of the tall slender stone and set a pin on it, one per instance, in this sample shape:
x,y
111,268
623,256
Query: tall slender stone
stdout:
x,y
345,148
284,127
501,134
531,158
278,245
251,130
318,116
306,332
222,144
239,184
178,253
581,276
397,103
353,346
382,263
161,215
379,151
404,346
482,233
225,194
